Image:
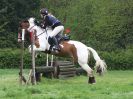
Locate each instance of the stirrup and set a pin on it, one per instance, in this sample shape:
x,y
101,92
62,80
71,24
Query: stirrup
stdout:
x,y
56,48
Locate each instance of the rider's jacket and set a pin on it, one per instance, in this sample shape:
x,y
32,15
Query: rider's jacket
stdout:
x,y
50,20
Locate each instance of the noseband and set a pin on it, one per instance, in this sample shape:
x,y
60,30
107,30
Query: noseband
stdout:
x,y
31,28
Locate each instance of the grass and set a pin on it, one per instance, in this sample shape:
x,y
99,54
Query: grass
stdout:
x,y
114,85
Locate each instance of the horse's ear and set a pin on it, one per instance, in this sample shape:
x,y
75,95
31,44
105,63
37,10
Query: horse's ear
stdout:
x,y
25,21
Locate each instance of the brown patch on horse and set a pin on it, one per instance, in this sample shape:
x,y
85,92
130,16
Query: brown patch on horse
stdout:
x,y
37,44
68,49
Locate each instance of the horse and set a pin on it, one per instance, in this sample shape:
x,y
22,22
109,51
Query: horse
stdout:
x,y
78,51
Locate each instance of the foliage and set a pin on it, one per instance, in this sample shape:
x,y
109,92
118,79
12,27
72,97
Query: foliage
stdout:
x,y
113,22
11,58
11,12
120,59
117,60
105,25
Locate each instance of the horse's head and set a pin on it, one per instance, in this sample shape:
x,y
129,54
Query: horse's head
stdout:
x,y
30,29
26,24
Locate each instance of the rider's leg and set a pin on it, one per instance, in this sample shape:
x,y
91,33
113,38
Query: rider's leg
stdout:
x,y
56,47
58,29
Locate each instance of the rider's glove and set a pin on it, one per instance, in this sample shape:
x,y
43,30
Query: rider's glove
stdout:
x,y
37,23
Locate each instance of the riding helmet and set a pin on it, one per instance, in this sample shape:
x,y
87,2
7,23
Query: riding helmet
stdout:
x,y
44,11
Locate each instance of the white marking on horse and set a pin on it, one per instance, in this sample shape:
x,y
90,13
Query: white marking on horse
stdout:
x,y
61,45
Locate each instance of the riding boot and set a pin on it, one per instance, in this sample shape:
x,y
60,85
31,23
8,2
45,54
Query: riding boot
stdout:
x,y
56,44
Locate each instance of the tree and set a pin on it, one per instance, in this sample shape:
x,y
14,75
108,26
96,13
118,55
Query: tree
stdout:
x,y
11,12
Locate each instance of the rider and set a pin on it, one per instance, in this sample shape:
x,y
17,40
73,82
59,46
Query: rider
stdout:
x,y
54,23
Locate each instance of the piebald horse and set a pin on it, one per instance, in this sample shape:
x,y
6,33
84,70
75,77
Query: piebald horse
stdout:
x,y
75,49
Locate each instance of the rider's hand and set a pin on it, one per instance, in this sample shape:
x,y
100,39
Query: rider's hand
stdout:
x,y
42,25
37,23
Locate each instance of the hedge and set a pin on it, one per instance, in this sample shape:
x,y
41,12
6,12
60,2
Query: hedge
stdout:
x,y
11,58
116,60
120,59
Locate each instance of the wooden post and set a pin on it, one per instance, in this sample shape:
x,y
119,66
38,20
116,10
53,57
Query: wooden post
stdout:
x,y
29,77
22,62
52,59
47,64
33,60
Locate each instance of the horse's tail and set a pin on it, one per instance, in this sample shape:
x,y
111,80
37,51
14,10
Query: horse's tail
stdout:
x,y
100,64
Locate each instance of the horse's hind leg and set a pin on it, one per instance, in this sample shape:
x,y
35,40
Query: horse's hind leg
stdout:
x,y
89,72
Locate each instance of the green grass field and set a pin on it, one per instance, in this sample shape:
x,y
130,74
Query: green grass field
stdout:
x,y
114,85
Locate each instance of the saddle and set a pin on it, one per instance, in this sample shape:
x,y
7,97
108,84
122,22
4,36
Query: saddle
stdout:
x,y
59,38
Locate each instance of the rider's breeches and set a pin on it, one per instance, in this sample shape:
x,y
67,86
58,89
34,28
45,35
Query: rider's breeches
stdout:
x,y
56,30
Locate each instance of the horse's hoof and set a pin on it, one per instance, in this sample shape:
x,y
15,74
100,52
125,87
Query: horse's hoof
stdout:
x,y
91,80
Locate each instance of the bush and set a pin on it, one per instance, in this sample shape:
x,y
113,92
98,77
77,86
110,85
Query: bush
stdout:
x,y
11,58
116,60
119,60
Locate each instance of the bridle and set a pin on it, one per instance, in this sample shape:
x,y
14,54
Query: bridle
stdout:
x,y
31,28
38,34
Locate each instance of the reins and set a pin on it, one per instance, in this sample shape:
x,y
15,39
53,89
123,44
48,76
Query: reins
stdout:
x,y
31,28
40,33
43,32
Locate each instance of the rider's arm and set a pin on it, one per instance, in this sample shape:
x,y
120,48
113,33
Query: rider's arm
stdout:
x,y
45,22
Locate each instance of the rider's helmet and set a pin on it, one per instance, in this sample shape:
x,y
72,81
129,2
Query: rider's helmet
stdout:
x,y
44,11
